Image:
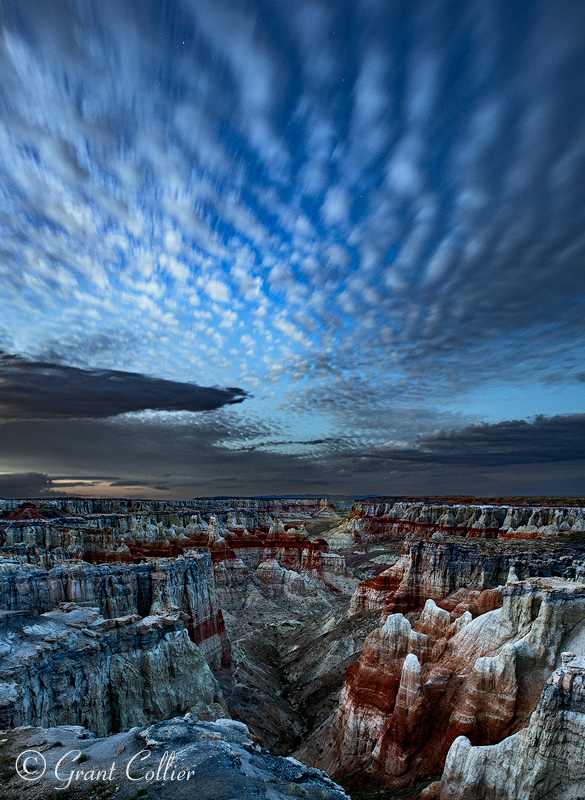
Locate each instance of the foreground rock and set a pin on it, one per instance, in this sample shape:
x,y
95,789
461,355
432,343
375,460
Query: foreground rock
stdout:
x,y
546,759
179,758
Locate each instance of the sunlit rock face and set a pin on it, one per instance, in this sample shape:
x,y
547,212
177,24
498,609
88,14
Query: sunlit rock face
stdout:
x,y
118,590
545,759
415,689
375,521
72,666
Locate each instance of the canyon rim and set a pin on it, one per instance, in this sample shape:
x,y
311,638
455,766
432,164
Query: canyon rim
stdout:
x,y
292,422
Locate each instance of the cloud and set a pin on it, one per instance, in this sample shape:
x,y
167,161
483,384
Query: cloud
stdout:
x,y
216,289
543,456
37,390
543,440
25,484
336,207
275,443
389,208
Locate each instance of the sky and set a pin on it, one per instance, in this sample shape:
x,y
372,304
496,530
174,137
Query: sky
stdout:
x,y
292,247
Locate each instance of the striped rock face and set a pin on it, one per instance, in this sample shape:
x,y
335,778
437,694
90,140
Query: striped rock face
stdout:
x,y
545,759
417,687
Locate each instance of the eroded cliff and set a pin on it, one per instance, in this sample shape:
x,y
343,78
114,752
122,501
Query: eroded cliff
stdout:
x,y
141,596
372,520
545,759
71,666
480,676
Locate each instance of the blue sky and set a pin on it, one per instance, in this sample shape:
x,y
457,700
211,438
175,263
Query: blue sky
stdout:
x,y
368,217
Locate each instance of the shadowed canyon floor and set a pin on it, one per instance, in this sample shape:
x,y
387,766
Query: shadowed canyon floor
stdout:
x,y
376,647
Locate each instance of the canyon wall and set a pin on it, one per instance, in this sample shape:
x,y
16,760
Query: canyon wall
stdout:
x,y
458,570
121,589
131,538
73,507
71,666
372,520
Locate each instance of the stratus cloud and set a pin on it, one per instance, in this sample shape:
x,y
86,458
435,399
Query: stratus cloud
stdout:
x,y
38,390
26,484
538,441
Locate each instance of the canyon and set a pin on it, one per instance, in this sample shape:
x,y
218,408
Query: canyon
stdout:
x,y
383,646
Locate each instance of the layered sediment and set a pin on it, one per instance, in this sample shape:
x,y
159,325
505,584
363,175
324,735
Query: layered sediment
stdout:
x,y
458,570
480,676
375,520
545,759
118,590
71,666
109,607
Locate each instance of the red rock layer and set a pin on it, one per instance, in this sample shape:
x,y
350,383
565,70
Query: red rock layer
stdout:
x,y
436,570
373,520
415,690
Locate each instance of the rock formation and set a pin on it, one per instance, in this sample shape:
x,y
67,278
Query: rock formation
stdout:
x,y
71,666
480,676
545,759
122,589
271,576
373,520
437,569
114,613
182,757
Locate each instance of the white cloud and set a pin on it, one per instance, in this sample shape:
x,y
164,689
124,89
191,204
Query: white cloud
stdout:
x,y
216,289
336,206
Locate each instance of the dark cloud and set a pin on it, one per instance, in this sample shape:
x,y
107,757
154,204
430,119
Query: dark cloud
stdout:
x,y
153,458
37,390
539,441
275,443
129,483
25,484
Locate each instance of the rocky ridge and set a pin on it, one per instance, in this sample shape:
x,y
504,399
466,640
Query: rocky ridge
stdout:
x,y
372,520
437,569
180,757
